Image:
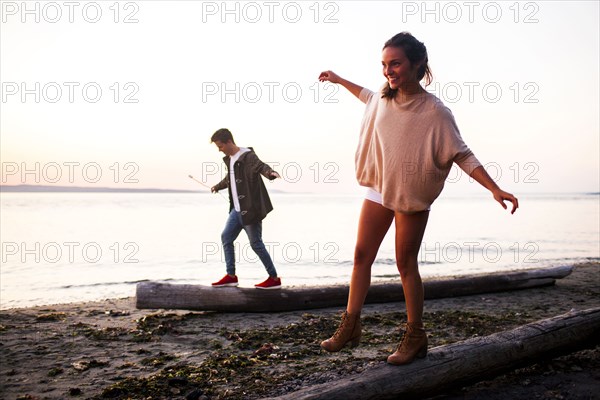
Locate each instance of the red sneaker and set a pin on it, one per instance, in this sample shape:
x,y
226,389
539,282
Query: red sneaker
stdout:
x,y
270,283
226,281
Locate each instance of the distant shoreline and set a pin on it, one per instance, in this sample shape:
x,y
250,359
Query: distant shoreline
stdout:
x,y
79,189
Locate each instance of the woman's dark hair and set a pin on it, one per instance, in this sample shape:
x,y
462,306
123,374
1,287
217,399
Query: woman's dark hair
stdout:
x,y
416,53
223,135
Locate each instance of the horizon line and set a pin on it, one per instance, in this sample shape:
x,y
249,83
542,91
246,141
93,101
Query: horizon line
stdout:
x,y
25,188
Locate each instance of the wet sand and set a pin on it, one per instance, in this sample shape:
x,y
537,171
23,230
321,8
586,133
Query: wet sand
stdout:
x,y
109,349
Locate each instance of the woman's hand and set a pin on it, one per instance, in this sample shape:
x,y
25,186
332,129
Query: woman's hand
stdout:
x,y
481,176
329,76
501,196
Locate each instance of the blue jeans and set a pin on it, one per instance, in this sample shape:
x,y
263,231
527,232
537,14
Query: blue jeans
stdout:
x,y
233,227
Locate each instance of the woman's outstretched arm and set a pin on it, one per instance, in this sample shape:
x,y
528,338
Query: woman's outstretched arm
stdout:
x,y
332,77
481,176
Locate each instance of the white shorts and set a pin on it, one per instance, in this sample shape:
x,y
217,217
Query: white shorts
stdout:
x,y
374,196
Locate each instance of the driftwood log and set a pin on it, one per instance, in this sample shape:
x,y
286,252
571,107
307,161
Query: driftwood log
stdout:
x,y
156,295
462,363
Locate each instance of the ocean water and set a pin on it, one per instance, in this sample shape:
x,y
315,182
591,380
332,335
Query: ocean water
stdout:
x,y
68,247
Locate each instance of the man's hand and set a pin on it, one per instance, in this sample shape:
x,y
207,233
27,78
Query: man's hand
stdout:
x,y
274,175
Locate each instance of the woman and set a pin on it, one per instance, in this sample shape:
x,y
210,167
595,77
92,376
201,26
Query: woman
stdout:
x,y
408,143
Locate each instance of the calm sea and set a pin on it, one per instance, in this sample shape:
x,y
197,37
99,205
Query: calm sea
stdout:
x,y
68,247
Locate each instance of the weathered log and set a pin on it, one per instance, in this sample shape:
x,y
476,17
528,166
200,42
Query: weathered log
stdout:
x,y
206,298
467,362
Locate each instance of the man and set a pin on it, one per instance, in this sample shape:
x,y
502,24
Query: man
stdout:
x,y
249,204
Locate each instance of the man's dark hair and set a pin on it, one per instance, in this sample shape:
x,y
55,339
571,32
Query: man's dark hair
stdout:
x,y
223,135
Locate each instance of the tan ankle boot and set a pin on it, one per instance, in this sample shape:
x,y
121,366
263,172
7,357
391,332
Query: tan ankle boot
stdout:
x,y
413,344
349,331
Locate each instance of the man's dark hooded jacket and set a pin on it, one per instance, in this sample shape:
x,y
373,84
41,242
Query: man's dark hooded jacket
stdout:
x,y
254,199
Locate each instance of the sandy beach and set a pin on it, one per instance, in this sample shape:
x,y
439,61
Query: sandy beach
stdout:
x,y
109,349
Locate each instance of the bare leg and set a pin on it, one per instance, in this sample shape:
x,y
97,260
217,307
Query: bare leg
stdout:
x,y
410,229
374,222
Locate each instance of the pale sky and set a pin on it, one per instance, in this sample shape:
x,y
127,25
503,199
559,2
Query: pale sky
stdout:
x,y
522,79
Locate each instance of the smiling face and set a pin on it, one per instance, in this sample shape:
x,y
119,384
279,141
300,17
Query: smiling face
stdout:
x,y
397,68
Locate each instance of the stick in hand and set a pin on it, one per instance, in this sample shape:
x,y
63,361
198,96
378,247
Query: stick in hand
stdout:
x,y
206,186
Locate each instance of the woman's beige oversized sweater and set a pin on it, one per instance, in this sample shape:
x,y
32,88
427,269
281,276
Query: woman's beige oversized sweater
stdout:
x,y
406,149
